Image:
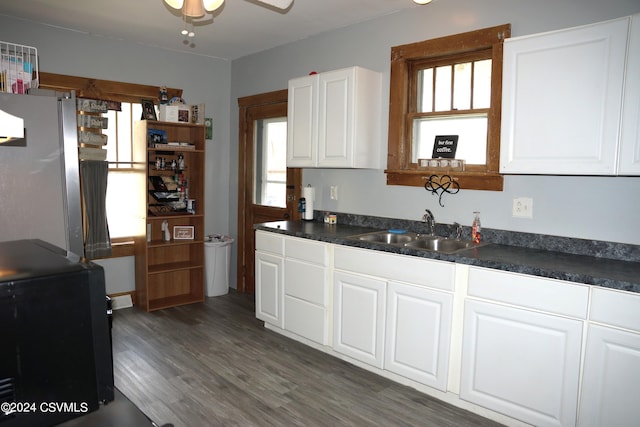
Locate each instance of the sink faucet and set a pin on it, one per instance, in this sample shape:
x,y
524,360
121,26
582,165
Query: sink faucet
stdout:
x,y
458,230
429,220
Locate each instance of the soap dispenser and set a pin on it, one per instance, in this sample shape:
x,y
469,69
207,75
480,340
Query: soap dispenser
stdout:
x,y
475,228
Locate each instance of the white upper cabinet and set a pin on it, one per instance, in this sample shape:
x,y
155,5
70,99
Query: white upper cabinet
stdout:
x,y
630,141
562,102
334,119
302,123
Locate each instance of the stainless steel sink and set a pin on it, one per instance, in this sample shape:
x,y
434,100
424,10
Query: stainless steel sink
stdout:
x,y
387,237
441,244
417,241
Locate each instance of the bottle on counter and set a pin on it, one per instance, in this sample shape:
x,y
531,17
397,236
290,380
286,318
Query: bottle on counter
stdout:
x,y
475,228
302,206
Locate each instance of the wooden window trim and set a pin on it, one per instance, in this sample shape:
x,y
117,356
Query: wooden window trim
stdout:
x,y
400,170
103,89
110,91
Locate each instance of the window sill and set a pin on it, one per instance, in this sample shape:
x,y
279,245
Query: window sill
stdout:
x,y
466,180
120,249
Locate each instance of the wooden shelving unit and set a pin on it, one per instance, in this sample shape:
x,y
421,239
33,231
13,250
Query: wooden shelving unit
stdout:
x,y
170,273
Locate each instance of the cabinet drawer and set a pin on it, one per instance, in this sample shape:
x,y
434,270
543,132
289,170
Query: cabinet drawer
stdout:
x,y
615,308
403,268
269,242
549,295
307,250
307,320
306,281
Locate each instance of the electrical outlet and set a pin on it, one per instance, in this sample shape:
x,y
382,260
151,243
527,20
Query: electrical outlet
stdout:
x,y
334,192
523,207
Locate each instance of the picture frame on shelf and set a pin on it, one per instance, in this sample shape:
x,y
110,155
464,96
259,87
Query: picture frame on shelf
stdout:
x,y
148,109
183,232
156,136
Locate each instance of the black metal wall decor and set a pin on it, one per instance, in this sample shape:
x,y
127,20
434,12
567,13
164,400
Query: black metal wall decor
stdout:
x,y
439,185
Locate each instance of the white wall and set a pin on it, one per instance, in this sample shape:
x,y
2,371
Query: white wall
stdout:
x,y
600,208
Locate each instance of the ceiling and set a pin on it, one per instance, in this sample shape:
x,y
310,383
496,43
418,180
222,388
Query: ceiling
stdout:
x,y
238,28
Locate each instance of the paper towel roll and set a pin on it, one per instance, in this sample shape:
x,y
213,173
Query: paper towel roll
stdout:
x,y
309,193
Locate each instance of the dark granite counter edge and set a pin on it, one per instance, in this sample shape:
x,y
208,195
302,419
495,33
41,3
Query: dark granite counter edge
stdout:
x,y
552,264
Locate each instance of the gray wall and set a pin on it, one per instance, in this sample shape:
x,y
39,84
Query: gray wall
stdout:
x,y
600,208
594,208
203,79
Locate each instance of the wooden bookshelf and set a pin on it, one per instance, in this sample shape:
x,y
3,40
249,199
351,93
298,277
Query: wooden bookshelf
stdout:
x,y
170,272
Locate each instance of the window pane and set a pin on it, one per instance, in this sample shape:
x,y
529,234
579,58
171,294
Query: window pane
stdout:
x,y
462,86
471,130
482,84
111,147
124,133
120,212
443,88
271,162
425,91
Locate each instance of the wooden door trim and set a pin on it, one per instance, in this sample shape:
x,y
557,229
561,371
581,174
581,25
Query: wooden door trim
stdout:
x,y
244,161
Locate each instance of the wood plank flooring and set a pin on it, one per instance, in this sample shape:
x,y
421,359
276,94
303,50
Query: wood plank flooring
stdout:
x,y
214,364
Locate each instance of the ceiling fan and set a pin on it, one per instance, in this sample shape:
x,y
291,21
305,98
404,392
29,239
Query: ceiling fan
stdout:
x,y
192,9
197,8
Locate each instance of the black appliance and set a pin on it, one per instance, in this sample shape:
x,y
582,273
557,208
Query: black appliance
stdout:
x,y
55,342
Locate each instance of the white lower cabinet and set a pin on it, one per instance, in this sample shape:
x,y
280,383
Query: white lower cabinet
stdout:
x,y
307,285
611,382
611,375
293,285
394,312
517,361
269,288
358,317
514,341
418,333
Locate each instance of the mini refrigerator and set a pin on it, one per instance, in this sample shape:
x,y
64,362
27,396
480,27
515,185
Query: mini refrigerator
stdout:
x,y
55,342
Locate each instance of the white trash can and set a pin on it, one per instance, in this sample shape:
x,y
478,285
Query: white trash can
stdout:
x,y
217,261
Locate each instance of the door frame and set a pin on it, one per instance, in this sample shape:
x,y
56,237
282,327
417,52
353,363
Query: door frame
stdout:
x,y
245,246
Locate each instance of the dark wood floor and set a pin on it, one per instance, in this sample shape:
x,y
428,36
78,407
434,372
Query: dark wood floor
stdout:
x,y
214,364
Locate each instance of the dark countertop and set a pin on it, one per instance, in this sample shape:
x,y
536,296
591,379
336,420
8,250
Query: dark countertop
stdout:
x,y
592,270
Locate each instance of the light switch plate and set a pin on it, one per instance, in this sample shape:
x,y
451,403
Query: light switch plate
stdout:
x,y
334,192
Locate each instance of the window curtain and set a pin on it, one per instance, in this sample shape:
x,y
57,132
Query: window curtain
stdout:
x,y
93,179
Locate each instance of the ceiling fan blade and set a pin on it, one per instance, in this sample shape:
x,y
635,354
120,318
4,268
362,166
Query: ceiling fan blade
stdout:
x,y
280,4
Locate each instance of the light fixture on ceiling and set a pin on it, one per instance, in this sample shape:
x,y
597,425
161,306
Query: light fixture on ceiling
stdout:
x,y
415,1
192,9
195,8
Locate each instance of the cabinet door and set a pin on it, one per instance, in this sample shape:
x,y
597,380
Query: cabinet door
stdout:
x,y
611,381
418,333
306,299
302,124
269,298
561,102
358,317
335,119
630,140
521,363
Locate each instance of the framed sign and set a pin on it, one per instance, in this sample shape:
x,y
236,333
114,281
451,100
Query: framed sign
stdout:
x,y
445,146
183,232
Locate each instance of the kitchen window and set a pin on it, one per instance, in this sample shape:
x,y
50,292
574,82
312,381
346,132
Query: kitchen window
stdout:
x,y
120,144
447,86
120,215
